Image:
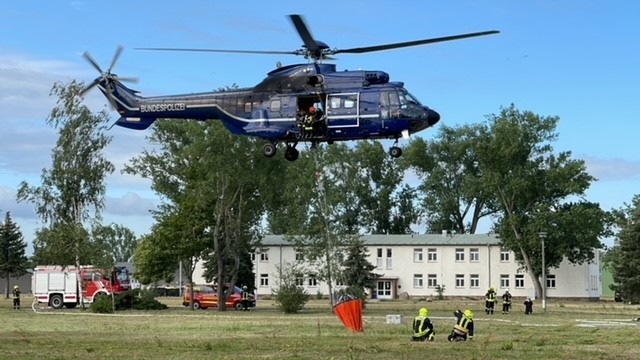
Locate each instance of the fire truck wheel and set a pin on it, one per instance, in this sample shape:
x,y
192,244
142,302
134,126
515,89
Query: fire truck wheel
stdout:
x,y
238,306
56,301
196,305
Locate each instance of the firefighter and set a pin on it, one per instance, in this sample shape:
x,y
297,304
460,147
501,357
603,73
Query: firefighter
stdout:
x,y
506,302
16,297
245,298
308,123
463,328
490,300
528,307
422,327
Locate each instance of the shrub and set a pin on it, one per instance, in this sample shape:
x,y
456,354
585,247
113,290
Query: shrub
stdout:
x,y
291,298
440,292
102,305
147,301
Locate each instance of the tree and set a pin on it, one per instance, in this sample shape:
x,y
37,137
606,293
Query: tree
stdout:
x,y
13,259
450,187
624,258
118,241
533,188
358,271
208,177
75,184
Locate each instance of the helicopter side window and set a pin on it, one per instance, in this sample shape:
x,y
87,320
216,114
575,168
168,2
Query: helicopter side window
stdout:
x,y
275,105
349,103
247,107
334,102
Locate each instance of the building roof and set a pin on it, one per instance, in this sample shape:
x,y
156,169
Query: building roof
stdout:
x,y
415,239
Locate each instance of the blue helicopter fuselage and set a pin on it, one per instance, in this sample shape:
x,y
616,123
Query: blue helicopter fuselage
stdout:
x,y
356,105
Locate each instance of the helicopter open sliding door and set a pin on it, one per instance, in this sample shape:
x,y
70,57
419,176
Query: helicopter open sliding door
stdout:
x,y
343,110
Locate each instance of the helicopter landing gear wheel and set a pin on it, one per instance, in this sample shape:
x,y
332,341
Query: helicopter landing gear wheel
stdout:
x,y
291,153
395,152
269,150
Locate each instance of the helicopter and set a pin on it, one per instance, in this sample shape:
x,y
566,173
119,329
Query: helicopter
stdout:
x,y
300,103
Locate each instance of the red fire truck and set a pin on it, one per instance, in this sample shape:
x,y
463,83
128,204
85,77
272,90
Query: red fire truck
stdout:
x,y
57,286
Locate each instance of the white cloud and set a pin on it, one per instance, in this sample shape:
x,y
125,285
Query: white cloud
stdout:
x,y
612,169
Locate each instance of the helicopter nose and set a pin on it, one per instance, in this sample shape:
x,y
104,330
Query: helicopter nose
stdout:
x,y
432,117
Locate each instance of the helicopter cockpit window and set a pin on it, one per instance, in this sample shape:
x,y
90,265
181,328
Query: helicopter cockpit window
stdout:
x,y
407,98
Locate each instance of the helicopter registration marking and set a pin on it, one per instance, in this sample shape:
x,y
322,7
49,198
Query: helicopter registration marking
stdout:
x,y
162,107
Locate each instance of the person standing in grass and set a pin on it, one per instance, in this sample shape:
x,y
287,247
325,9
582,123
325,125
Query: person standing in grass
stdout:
x,y
506,302
490,300
16,297
528,307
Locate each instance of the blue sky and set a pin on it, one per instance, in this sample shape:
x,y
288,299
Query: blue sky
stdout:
x,y
574,59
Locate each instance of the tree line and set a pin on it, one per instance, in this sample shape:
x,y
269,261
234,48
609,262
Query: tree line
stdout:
x,y
220,195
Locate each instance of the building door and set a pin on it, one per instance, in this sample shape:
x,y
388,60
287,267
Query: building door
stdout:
x,y
384,289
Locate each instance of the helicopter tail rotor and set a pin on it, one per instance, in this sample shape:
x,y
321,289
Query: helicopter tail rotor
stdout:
x,y
106,78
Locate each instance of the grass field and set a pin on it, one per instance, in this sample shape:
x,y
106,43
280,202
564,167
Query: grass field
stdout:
x,y
569,330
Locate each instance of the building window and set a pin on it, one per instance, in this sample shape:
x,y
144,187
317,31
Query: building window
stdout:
x,y
474,255
418,281
432,281
299,256
253,256
312,281
504,281
551,281
417,255
299,281
264,279
504,255
459,255
519,281
389,259
339,282
459,280
379,259
474,281
264,256
432,255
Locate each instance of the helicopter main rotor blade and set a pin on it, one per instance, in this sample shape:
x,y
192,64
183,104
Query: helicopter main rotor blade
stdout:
x,y
89,87
91,61
115,57
303,30
361,50
272,52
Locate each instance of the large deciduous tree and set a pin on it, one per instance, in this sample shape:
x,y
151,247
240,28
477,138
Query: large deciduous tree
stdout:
x,y
13,258
208,177
538,191
74,185
118,241
450,179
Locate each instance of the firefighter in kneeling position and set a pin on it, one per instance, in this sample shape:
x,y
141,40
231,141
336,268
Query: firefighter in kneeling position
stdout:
x,y
463,328
422,327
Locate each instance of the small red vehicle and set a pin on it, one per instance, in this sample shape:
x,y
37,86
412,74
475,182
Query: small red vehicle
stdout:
x,y
207,296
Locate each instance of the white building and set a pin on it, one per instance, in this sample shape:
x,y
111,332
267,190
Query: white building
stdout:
x,y
467,265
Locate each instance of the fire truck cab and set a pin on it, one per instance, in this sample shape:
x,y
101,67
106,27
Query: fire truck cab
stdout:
x,y
57,286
